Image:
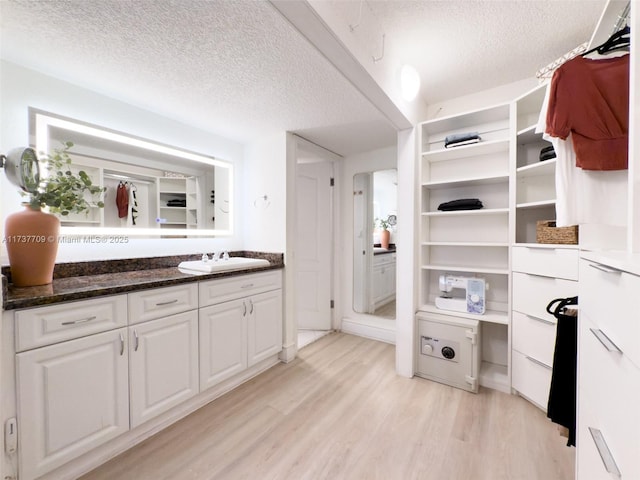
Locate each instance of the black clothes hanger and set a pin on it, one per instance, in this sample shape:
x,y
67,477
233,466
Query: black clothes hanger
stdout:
x,y
619,40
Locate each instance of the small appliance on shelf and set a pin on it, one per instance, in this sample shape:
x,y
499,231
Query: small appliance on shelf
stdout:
x,y
462,294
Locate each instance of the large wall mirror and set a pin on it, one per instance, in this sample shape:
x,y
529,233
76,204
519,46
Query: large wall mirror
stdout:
x,y
151,189
375,203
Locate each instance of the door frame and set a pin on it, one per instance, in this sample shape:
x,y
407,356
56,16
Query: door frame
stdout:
x,y
294,145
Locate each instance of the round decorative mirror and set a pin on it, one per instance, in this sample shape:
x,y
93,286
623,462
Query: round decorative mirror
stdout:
x,y
392,220
22,168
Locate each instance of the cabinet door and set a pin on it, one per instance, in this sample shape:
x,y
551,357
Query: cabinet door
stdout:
x,y
265,325
163,364
223,341
378,284
72,397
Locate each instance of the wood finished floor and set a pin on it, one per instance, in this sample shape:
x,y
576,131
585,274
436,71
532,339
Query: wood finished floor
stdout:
x,y
339,411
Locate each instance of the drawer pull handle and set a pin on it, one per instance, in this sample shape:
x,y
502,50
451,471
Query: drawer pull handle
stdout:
x,y
541,320
247,285
605,453
537,362
137,341
602,268
121,345
604,340
175,300
84,320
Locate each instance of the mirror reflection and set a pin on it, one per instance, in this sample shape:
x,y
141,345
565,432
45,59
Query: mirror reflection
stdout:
x,y
151,189
374,253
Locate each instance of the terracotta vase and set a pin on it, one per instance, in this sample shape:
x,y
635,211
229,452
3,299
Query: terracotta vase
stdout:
x,y
31,238
385,235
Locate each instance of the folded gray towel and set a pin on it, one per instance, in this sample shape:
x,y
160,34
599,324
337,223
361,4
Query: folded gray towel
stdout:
x,y
461,139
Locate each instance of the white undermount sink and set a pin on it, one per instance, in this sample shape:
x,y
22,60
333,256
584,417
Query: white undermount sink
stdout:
x,y
222,265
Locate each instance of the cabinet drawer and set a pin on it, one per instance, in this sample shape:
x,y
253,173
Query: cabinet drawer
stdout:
x,y
531,378
549,262
384,259
589,460
161,302
225,289
611,383
532,293
36,327
534,337
608,296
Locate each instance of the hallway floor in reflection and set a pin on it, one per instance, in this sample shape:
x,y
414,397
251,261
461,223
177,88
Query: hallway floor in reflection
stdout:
x,y
387,311
306,337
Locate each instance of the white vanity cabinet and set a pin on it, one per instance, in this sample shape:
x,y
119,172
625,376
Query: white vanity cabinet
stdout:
x,y
223,344
384,278
240,324
163,364
265,326
163,351
122,366
72,396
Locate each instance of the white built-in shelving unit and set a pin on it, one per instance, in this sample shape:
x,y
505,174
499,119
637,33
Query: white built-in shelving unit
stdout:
x,y
470,243
535,193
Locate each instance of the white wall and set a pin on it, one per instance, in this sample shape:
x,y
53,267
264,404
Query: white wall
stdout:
x,y
21,88
366,43
264,222
485,98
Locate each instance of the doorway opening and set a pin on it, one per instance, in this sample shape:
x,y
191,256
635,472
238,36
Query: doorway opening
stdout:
x,y
314,243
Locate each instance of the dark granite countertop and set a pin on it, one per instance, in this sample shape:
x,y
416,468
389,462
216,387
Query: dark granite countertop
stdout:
x,y
391,249
75,281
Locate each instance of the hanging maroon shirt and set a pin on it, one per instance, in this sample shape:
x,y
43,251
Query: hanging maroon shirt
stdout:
x,y
122,200
589,99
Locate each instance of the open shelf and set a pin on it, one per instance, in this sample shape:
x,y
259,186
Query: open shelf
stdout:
x,y
492,316
466,182
495,376
546,167
466,151
457,268
539,204
465,244
460,213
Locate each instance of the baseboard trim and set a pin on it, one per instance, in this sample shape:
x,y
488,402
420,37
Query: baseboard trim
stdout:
x,y
372,332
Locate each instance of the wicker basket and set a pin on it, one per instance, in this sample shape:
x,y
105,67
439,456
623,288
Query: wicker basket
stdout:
x,y
547,232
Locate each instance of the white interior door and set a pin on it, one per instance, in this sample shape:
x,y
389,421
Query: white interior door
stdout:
x,y
314,245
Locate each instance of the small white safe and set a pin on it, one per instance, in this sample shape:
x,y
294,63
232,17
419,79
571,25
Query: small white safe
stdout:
x,y
448,350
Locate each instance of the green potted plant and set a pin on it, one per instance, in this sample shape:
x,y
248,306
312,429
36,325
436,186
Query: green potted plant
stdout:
x,y
62,190
31,235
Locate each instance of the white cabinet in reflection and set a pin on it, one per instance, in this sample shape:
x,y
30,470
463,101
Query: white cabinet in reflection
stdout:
x,y
384,279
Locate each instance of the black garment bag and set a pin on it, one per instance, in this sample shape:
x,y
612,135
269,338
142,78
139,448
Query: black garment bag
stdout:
x,y
561,408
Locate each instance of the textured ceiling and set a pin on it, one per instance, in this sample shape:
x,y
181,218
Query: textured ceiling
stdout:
x,y
238,69
465,46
